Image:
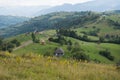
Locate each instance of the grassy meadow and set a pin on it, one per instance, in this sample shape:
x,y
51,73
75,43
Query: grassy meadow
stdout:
x,y
91,49
37,67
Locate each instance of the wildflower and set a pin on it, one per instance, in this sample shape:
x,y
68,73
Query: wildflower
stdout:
x,y
18,59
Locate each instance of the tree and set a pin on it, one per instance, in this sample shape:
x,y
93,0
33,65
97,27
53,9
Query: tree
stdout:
x,y
107,54
80,55
101,39
33,37
85,37
69,42
69,45
1,41
16,42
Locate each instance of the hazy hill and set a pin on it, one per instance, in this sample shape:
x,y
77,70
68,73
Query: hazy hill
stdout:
x,y
30,11
65,20
6,21
51,21
95,5
27,11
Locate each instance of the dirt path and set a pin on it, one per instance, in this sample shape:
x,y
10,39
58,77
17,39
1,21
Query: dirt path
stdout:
x,y
23,45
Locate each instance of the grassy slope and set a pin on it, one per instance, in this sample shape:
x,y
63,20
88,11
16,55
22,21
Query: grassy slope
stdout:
x,y
103,25
92,49
32,67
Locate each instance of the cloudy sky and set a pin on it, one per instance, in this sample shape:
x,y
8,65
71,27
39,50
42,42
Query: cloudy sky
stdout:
x,y
38,2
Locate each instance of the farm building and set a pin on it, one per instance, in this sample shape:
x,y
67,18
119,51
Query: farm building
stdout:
x,y
59,52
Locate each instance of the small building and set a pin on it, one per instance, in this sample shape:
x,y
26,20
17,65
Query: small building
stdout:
x,y
59,52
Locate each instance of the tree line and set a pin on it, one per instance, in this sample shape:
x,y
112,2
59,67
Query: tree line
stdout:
x,y
8,45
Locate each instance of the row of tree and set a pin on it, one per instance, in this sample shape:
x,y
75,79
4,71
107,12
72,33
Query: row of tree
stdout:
x,y
73,34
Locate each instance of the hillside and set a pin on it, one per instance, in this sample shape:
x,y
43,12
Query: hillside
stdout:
x,y
65,20
95,33
93,5
34,67
6,21
90,48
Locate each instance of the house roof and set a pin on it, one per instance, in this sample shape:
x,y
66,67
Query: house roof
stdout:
x,y
59,50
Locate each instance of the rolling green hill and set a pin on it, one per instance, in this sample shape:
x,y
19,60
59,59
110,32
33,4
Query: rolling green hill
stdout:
x,y
90,48
95,26
106,22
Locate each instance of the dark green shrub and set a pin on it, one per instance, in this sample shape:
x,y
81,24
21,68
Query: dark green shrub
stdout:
x,y
16,42
80,55
34,39
107,54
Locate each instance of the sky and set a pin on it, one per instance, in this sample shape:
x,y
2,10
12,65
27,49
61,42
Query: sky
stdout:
x,y
38,2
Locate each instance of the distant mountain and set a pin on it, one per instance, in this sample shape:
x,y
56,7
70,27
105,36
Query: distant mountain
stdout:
x,y
51,21
27,11
95,5
6,21
64,20
112,12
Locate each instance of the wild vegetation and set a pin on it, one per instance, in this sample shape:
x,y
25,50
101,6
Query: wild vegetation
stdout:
x,y
37,67
8,45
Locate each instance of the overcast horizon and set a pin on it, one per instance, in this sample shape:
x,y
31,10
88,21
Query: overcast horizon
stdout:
x,y
39,3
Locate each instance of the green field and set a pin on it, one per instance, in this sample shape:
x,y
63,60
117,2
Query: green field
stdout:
x,y
91,49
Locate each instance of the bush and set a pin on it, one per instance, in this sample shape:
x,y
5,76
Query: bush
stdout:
x,y
78,53
10,50
80,56
16,42
34,39
107,54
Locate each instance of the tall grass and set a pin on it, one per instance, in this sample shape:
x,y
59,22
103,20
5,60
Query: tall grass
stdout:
x,y
37,67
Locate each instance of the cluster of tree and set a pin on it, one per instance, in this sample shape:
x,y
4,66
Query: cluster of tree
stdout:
x,y
78,53
73,34
69,33
34,39
59,39
92,33
77,18
8,45
107,54
110,39
117,25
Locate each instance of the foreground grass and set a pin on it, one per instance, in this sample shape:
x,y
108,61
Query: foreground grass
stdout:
x,y
37,67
